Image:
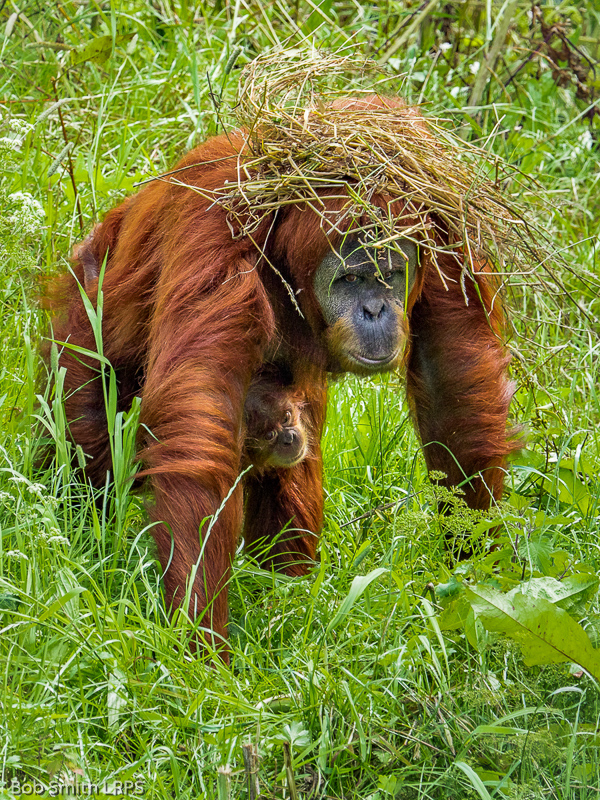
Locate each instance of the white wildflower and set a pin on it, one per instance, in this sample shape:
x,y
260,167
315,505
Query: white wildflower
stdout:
x,y
587,140
16,130
37,489
26,214
10,143
17,554
57,538
19,127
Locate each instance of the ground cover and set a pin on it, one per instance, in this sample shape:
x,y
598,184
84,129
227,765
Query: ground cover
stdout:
x,y
389,671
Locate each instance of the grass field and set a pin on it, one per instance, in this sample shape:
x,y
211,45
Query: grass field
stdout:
x,y
389,672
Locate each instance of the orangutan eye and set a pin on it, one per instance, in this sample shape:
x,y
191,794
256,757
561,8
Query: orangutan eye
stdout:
x,y
350,278
270,435
287,418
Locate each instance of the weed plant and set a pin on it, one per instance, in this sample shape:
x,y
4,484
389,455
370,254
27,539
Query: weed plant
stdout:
x,y
388,672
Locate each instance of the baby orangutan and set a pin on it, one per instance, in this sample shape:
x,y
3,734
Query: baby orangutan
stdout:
x,y
275,433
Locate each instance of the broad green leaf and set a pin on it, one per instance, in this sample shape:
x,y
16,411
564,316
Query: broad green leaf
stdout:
x,y
569,488
359,584
98,50
537,549
450,589
546,633
571,593
498,730
454,613
455,605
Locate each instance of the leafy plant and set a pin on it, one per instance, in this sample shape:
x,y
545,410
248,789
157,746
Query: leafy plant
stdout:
x,y
391,671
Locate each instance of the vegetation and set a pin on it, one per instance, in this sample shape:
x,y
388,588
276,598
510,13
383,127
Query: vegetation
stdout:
x,y
389,672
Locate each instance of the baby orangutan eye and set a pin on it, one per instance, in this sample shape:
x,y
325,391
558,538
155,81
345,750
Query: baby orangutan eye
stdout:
x,y
350,278
287,418
270,435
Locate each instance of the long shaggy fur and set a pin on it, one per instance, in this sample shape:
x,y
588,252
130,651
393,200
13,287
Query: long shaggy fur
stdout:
x,y
192,313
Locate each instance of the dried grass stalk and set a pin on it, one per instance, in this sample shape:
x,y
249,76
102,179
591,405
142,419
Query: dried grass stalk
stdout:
x,y
301,149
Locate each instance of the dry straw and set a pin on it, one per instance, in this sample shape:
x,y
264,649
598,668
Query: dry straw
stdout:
x,y
301,149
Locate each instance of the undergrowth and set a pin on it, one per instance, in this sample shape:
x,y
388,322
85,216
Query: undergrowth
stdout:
x,y
390,671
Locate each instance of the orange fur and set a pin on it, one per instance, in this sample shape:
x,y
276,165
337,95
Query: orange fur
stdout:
x,y
275,434
456,381
191,314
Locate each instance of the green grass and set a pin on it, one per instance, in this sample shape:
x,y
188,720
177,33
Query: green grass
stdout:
x,y
362,680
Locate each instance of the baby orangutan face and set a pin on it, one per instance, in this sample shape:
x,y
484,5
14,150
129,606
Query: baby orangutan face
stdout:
x,y
275,434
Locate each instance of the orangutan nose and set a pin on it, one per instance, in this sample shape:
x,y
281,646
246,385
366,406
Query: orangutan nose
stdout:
x,y
287,437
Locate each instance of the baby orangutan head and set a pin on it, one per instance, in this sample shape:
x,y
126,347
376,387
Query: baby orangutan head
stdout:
x,y
275,433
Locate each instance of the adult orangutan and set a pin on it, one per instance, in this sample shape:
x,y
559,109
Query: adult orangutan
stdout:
x,y
195,305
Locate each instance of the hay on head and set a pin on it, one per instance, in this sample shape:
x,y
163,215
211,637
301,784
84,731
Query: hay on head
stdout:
x,y
305,145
